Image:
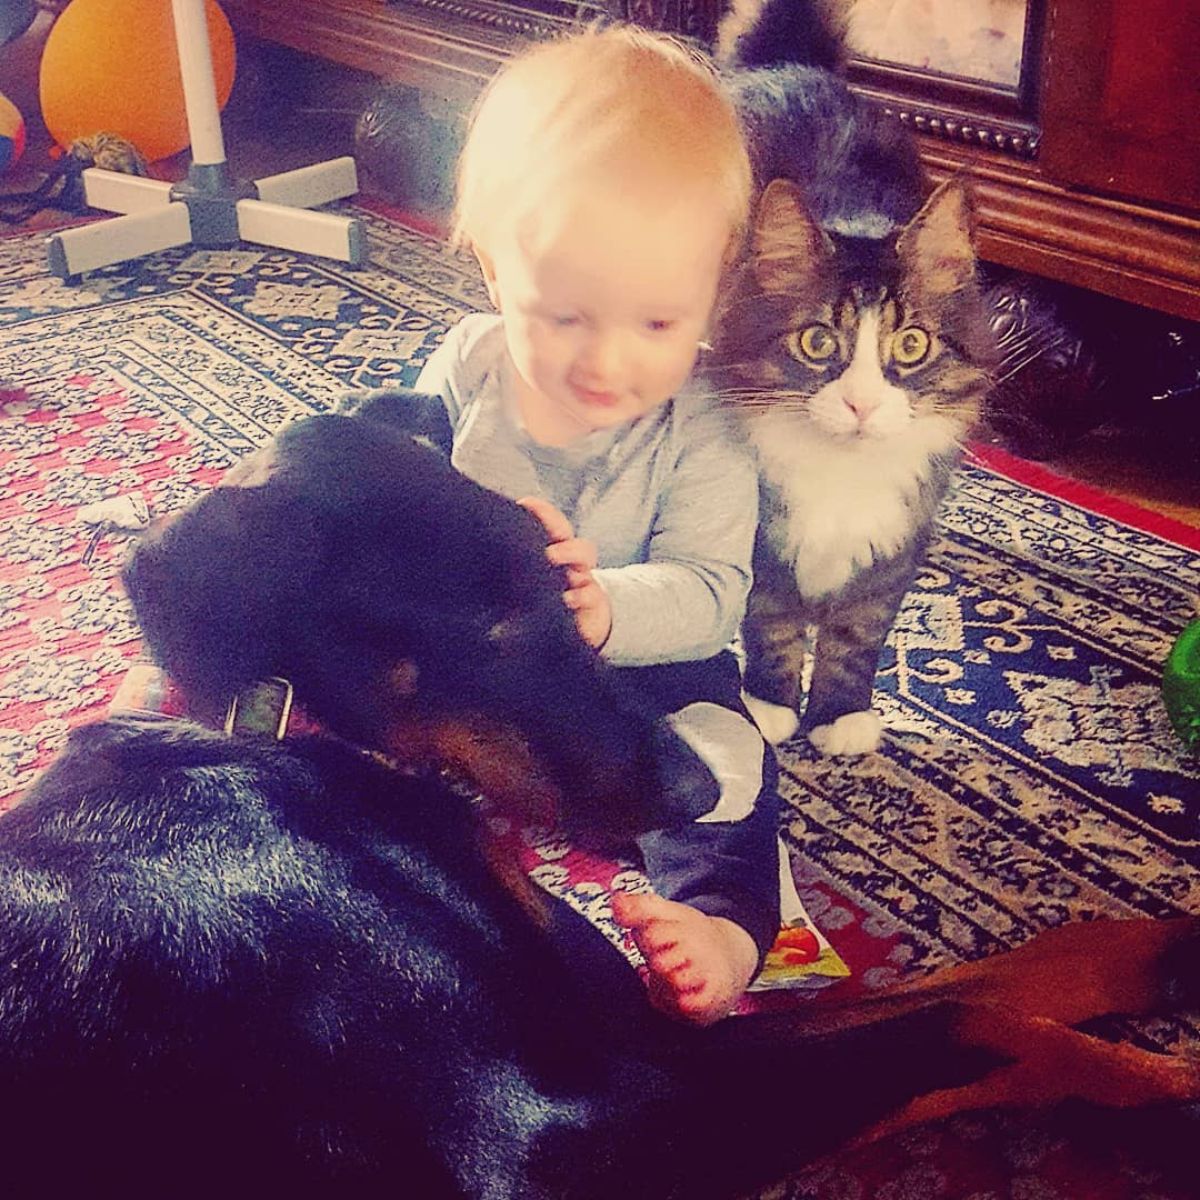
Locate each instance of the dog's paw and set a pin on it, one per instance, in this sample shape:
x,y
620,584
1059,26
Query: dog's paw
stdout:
x,y
776,722
855,733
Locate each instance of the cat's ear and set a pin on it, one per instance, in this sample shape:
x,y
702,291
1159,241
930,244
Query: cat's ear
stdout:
x,y
787,244
938,245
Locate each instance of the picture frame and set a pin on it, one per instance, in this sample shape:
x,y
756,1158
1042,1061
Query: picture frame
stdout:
x,y
940,76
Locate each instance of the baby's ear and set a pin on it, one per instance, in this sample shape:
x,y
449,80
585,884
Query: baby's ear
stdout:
x,y
488,268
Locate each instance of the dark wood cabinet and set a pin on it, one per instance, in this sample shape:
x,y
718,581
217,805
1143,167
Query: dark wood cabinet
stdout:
x,y
1087,172
1121,99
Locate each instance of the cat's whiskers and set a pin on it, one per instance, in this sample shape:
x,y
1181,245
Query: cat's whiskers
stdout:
x,y
745,399
1014,363
731,366
742,386
952,404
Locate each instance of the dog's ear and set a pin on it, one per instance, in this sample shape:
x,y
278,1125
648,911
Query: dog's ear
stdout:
x,y
424,416
215,589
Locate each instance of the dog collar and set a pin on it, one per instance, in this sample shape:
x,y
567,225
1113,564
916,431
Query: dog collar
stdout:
x,y
264,708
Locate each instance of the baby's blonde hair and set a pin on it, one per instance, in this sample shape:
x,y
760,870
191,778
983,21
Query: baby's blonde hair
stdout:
x,y
615,99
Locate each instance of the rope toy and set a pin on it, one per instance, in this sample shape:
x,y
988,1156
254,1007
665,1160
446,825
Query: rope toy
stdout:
x,y
63,187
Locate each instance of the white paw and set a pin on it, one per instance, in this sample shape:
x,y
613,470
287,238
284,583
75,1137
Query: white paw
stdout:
x,y
855,733
775,722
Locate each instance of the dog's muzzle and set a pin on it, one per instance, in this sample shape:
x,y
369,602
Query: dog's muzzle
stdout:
x,y
688,787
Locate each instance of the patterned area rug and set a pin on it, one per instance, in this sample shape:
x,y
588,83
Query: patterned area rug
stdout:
x,y
1028,775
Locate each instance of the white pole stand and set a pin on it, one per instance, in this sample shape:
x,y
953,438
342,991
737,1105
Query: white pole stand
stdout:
x,y
209,208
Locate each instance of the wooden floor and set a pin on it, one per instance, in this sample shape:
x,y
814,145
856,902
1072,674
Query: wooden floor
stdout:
x,y
1150,470
1152,462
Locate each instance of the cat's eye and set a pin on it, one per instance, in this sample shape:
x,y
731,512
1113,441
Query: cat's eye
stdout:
x,y
910,346
816,343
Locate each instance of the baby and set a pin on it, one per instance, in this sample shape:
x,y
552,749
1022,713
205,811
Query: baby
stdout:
x,y
603,188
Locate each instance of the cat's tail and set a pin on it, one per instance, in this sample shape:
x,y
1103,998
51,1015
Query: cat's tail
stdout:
x,y
772,33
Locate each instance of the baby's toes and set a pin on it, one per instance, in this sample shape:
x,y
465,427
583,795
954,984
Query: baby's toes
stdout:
x,y
633,909
680,970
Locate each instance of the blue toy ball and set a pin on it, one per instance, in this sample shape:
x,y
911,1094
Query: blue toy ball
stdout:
x,y
16,16
12,133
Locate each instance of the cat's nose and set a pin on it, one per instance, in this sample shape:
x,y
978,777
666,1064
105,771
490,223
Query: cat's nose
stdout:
x,y
861,406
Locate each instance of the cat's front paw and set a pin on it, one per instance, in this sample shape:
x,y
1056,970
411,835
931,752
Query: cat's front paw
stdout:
x,y
776,722
855,733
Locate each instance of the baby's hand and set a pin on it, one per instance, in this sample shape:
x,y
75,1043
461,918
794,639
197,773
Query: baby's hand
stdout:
x,y
584,596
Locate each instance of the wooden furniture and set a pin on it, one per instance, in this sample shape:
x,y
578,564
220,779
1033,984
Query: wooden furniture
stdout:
x,y
1088,172
449,47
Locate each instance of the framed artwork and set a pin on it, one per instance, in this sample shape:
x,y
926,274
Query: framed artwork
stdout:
x,y
966,70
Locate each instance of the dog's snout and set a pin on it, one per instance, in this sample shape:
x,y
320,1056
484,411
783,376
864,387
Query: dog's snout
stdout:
x,y
687,787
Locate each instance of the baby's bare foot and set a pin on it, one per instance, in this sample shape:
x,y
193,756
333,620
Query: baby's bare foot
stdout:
x,y
699,965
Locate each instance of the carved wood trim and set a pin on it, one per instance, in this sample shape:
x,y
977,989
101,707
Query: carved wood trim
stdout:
x,y
973,112
1135,252
1018,139
449,47
539,20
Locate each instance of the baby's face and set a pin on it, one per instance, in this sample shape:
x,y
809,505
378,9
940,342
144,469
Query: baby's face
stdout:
x,y
605,304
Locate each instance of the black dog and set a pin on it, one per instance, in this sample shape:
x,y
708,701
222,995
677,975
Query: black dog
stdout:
x,y
414,613
238,967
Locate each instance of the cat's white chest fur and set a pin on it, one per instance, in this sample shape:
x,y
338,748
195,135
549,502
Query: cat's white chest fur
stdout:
x,y
840,504
847,469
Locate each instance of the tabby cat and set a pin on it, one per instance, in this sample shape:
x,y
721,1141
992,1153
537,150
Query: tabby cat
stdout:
x,y
853,350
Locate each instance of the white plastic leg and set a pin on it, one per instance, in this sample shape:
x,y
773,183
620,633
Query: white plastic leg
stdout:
x,y
307,187
298,229
116,192
153,221
74,251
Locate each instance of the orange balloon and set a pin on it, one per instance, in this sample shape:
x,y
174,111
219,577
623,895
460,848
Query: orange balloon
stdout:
x,y
110,66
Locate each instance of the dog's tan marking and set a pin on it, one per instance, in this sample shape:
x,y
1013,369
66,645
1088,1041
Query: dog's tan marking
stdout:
x,y
498,761
1067,974
1052,1063
499,765
403,678
254,470
511,877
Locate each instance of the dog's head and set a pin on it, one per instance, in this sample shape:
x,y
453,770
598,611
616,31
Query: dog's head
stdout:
x,y
414,612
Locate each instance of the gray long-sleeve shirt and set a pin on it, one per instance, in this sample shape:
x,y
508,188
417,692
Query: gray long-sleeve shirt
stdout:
x,y
670,499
